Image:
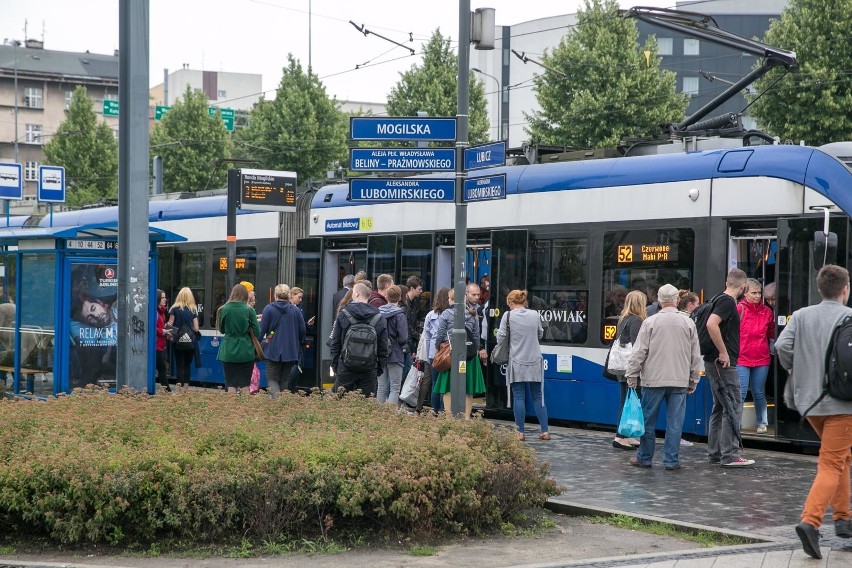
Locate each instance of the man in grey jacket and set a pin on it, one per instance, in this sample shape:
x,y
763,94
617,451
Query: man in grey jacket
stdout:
x,y
801,350
668,357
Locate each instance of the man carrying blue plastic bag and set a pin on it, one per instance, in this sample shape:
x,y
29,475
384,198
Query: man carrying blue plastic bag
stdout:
x,y
668,358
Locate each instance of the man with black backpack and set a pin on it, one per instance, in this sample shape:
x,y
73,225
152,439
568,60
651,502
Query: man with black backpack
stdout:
x,y
359,344
720,366
802,349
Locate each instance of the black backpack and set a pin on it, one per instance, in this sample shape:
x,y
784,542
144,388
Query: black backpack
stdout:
x,y
838,365
360,346
700,315
185,336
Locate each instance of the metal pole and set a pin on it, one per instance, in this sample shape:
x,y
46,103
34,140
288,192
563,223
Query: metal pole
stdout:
x,y
135,319
231,227
459,381
16,42
499,101
165,87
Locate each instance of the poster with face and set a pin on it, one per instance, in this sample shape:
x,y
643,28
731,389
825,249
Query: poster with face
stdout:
x,y
94,325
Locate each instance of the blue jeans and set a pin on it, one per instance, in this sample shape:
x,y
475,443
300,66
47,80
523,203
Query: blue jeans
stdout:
x,y
519,392
652,399
756,378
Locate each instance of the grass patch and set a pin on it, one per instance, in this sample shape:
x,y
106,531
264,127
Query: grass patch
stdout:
x,y
7,550
705,539
422,550
528,524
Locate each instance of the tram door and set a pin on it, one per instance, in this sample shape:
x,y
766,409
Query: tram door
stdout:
x,y
795,277
308,259
508,272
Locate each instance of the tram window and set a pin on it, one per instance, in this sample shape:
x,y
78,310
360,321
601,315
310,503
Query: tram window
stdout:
x,y
558,285
416,259
190,268
245,269
643,260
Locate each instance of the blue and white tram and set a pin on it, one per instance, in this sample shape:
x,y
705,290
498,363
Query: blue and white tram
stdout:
x,y
579,235
200,263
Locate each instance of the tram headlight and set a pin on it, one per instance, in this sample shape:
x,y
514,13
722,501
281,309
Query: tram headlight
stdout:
x,y
693,194
316,219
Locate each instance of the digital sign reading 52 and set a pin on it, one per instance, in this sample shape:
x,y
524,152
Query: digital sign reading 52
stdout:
x,y
267,190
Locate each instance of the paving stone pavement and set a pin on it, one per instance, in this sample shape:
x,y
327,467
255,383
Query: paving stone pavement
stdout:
x,y
761,502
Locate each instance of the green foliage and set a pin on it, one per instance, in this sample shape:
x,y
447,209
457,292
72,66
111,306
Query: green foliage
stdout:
x,y
814,103
433,87
87,149
422,550
705,539
191,143
203,467
599,88
300,130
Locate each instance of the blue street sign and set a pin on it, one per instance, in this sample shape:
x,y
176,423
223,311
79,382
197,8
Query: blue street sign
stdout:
x,y
485,156
11,181
372,189
400,128
485,188
402,159
51,184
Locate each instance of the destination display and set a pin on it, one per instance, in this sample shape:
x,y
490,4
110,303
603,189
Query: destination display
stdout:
x,y
485,188
650,252
374,189
402,159
267,190
402,128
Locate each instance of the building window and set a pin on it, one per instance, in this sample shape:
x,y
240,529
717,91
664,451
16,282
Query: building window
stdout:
x,y
33,97
690,46
68,96
110,96
33,134
690,86
222,94
31,171
665,45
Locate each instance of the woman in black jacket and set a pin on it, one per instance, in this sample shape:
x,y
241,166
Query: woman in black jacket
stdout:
x,y
629,323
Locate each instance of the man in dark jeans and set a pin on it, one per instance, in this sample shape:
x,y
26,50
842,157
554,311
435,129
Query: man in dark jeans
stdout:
x,y
358,379
720,366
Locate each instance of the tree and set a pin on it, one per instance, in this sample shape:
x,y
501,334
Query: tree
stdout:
x,y
432,87
192,144
86,148
300,130
813,104
598,86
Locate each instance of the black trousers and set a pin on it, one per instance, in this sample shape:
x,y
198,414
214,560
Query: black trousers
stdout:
x,y
162,369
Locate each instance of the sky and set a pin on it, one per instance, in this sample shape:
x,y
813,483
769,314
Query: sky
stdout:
x,y
255,36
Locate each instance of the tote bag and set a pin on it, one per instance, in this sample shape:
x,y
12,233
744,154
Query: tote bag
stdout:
x,y
500,353
632,423
619,356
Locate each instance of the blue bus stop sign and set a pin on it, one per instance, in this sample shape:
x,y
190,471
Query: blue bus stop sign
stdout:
x,y
51,184
11,181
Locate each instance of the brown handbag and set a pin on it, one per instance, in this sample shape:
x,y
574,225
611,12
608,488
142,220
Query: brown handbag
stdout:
x,y
258,350
443,358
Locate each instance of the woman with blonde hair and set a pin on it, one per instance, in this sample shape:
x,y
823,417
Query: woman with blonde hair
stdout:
x,y
629,322
521,327
184,312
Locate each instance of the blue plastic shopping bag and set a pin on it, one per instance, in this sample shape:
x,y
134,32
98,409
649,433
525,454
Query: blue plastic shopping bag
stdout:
x,y
632,423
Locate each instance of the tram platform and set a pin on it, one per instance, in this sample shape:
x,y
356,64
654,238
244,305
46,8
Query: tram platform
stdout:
x,y
760,503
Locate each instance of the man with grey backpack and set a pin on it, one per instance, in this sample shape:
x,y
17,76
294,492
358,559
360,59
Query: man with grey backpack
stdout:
x,y
359,344
802,348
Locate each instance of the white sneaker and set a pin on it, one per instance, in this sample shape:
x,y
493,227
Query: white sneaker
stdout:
x,y
761,429
739,462
686,443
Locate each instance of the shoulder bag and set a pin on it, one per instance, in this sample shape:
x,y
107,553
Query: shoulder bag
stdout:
x,y
443,357
500,353
258,349
619,354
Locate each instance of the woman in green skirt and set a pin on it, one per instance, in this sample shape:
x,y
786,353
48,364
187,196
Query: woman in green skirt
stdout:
x,y
475,384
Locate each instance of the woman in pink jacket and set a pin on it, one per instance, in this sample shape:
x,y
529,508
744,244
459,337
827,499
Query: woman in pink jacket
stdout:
x,y
757,328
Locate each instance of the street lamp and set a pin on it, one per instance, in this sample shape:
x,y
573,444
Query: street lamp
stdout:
x,y
499,100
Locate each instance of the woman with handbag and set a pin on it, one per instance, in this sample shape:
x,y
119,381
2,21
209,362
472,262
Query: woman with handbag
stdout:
x,y
237,321
475,382
183,316
632,316
519,334
430,326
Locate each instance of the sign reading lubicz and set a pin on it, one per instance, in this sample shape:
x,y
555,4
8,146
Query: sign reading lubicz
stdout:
x,y
267,190
485,156
378,190
402,128
51,184
11,181
485,188
402,159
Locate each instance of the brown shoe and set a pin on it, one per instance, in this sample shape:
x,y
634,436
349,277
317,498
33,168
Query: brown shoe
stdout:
x,y
544,436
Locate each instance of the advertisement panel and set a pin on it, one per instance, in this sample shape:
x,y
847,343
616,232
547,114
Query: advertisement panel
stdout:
x,y
94,325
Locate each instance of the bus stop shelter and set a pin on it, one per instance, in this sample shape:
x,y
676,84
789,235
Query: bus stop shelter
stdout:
x,y
59,311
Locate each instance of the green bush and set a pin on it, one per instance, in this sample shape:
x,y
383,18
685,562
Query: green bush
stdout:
x,y
95,467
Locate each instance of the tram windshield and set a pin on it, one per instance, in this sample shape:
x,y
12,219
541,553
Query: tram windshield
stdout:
x,y
643,260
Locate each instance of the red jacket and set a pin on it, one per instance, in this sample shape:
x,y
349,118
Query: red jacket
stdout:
x,y
161,323
757,327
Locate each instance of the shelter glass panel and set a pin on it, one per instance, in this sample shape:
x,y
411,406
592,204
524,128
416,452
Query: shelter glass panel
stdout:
x,y
8,274
37,304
